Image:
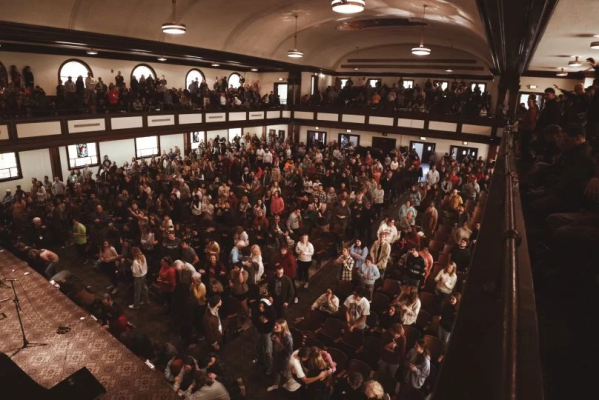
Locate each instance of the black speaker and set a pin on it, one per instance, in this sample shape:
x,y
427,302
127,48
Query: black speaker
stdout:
x,y
82,385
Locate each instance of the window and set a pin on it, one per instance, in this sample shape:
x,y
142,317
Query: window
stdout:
x,y
234,132
73,68
192,75
374,82
481,86
443,84
408,84
234,80
314,84
524,99
344,82
196,137
10,167
143,69
147,146
83,154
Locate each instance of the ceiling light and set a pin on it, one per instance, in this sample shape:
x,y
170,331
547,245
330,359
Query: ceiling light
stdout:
x,y
532,86
92,52
280,79
295,53
575,63
465,143
173,28
215,64
348,6
562,73
449,70
316,128
254,69
421,50
161,58
356,69
595,45
422,138
348,130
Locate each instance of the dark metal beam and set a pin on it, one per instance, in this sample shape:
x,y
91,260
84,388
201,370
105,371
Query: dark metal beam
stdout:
x,y
514,29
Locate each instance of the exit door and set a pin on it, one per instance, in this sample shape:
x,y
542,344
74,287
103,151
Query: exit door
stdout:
x,y
424,150
460,153
282,90
383,144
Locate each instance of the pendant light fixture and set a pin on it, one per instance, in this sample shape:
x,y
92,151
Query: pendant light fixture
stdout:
x,y
348,6
173,28
575,63
562,73
162,58
295,53
421,50
92,52
595,45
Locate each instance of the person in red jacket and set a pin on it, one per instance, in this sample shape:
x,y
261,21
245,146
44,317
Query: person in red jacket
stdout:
x,y
113,319
287,261
167,279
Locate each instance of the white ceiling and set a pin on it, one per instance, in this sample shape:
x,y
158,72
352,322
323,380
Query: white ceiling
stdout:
x,y
264,28
569,33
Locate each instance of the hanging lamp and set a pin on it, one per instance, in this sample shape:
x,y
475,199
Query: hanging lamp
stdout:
x,y
295,53
348,6
421,50
173,28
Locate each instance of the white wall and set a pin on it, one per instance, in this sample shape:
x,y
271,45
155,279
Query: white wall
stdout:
x,y
45,70
34,164
442,145
168,142
544,83
118,150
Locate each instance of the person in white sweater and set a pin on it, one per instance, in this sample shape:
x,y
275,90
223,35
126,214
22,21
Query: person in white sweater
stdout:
x,y
410,307
378,196
139,269
388,226
305,251
446,280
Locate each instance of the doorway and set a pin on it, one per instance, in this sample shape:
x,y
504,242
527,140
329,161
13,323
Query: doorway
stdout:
x,y
317,139
461,152
383,144
281,90
424,150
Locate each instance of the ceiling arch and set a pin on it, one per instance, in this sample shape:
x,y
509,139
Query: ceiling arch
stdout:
x,y
263,28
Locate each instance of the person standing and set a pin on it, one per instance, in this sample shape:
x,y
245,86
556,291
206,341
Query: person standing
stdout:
x,y
305,251
357,309
213,328
80,240
368,273
447,318
282,291
263,319
282,353
139,269
380,253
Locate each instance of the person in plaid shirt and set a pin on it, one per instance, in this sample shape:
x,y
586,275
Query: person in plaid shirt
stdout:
x,y
346,263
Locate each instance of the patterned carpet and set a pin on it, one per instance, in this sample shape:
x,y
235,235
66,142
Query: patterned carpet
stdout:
x,y
44,309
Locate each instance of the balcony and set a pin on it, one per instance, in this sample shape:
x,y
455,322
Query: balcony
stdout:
x,y
41,132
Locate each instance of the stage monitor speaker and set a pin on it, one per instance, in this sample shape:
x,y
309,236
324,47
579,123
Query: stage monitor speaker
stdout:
x,y
82,385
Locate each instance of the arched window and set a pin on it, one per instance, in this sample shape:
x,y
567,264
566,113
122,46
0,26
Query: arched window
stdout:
x,y
73,68
234,80
192,75
143,69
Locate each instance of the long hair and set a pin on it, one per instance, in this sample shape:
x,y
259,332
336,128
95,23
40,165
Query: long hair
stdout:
x,y
284,327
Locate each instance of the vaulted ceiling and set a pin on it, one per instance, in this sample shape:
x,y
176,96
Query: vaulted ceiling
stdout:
x,y
265,28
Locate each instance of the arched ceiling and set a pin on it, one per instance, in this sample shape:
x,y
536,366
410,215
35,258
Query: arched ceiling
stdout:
x,y
265,28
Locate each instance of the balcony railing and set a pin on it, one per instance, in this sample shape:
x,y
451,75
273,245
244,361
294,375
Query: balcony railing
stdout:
x,y
493,353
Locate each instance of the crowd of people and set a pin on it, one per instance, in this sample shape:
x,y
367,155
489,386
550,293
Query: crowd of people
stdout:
x,y
226,237
20,97
561,189
458,98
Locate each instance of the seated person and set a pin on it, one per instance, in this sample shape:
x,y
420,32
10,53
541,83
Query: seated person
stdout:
x,y
327,302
